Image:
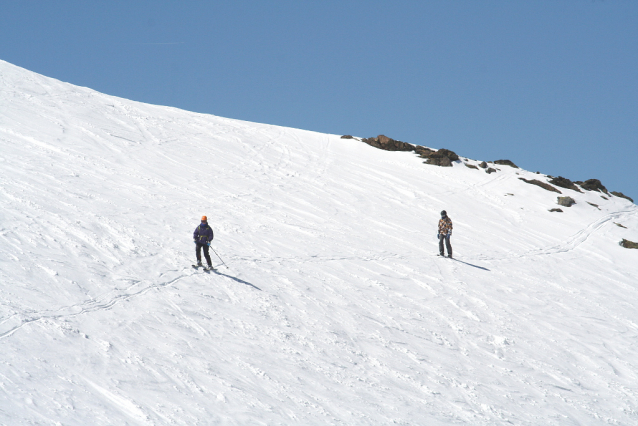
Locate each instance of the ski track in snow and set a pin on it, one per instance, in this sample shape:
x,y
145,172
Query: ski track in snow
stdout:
x,y
334,308
103,302
577,239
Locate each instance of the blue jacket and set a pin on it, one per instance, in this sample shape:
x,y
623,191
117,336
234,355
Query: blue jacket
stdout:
x,y
203,233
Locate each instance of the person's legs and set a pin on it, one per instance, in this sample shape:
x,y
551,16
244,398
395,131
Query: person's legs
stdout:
x,y
441,252
207,256
448,245
198,253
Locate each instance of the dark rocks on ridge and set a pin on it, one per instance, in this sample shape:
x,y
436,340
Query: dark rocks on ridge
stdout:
x,y
621,195
445,158
564,183
439,161
442,157
506,163
541,184
423,151
593,185
388,144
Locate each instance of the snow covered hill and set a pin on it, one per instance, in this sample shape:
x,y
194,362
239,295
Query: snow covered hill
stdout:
x,y
334,308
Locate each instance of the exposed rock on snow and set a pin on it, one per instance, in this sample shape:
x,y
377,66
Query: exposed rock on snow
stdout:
x,y
566,201
593,185
621,195
423,151
442,157
506,163
543,185
388,144
564,183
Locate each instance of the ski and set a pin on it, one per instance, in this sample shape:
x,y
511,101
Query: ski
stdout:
x,y
205,268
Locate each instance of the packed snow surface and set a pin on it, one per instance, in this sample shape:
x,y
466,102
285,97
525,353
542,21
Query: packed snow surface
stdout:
x,y
333,309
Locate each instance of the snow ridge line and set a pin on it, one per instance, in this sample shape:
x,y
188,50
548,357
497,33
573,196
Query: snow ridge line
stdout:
x,y
86,307
581,236
572,242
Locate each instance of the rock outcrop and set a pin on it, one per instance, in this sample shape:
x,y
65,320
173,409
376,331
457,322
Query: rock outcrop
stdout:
x,y
541,184
506,163
388,144
593,185
629,244
566,201
442,157
621,195
564,183
423,151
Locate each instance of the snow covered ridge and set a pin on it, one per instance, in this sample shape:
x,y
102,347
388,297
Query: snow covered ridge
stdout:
x,y
334,308
445,158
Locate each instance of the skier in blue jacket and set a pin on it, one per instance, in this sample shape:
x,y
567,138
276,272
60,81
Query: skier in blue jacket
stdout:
x,y
202,238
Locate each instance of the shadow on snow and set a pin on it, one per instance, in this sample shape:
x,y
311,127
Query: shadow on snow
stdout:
x,y
236,279
474,266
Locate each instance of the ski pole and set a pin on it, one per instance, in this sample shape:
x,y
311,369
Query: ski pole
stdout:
x,y
219,257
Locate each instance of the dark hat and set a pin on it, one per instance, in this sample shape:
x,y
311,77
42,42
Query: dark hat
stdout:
x,y
443,213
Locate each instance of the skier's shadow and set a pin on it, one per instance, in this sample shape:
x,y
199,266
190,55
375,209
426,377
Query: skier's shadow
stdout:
x,y
237,279
474,266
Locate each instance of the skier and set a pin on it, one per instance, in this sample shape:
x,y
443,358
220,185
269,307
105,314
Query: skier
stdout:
x,y
445,232
202,238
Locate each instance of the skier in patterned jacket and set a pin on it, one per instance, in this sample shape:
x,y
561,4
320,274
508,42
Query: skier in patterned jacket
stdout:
x,y
445,232
202,238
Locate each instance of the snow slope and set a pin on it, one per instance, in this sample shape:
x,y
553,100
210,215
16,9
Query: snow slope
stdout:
x,y
334,308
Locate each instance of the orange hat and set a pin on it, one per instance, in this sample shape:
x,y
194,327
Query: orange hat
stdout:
x,y
204,219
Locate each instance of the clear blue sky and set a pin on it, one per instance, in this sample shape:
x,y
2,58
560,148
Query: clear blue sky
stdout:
x,y
550,85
